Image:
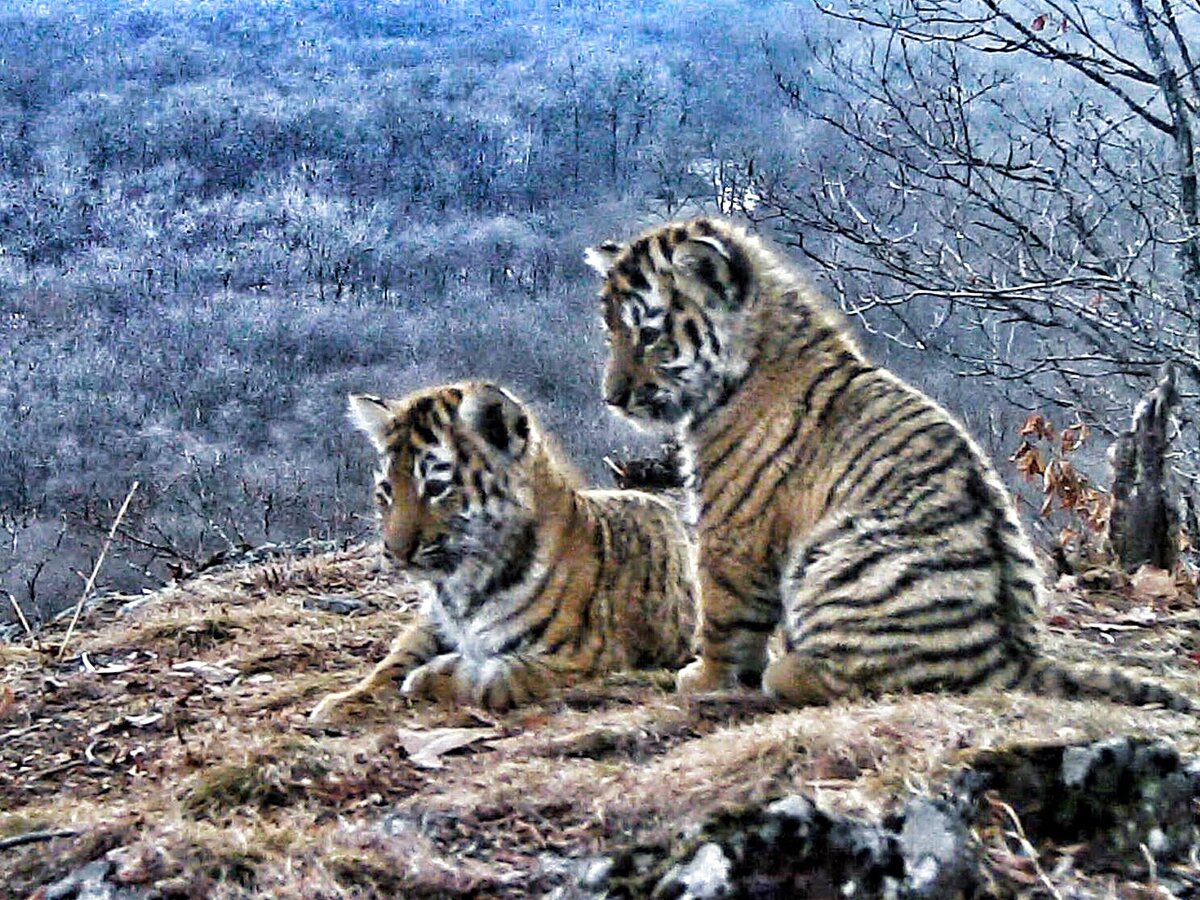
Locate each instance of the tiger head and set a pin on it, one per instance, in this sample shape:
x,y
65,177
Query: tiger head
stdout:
x,y
457,483
672,300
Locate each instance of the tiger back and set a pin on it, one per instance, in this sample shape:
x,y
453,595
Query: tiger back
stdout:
x,y
537,584
831,497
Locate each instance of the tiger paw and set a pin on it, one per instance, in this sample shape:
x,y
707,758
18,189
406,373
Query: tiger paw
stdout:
x,y
437,680
702,676
324,710
336,705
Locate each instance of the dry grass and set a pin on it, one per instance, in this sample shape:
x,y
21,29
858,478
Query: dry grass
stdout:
x,y
175,739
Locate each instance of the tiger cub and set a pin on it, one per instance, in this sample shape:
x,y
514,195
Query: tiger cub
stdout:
x,y
537,584
830,496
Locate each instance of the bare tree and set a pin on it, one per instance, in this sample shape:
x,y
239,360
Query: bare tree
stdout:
x,y
1012,184
1143,526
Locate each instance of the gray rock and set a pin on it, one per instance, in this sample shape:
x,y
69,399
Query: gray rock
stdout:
x,y
1115,796
935,841
90,882
330,603
705,877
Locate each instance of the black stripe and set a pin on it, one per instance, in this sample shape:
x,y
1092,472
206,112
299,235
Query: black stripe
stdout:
x,y
893,658
535,595
759,595
959,612
956,682
424,433
602,583
869,436
532,633
808,453
631,270
719,631
940,459
515,568
938,519
814,338
802,418
871,453
914,574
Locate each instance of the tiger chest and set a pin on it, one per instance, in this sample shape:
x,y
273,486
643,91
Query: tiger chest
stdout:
x,y
469,628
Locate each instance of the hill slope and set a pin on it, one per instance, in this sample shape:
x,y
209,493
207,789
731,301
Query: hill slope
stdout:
x,y
172,740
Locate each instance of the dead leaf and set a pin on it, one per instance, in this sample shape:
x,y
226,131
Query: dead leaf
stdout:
x,y
143,721
1037,425
425,747
8,699
1073,436
1028,460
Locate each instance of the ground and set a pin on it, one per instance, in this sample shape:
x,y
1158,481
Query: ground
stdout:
x,y
173,737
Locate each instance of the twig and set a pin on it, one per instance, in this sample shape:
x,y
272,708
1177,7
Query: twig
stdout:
x,y
1019,835
617,470
24,621
34,837
87,588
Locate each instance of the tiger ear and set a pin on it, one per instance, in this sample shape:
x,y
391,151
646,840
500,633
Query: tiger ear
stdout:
x,y
373,417
602,256
498,417
718,265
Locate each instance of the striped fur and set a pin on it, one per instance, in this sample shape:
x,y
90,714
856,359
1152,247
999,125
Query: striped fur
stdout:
x,y
831,497
537,584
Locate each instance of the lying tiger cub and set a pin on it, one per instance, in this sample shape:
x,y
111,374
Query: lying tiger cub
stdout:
x,y
537,583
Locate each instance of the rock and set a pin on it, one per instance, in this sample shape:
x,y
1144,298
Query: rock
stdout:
x,y
1115,796
935,842
330,603
91,882
705,877
789,848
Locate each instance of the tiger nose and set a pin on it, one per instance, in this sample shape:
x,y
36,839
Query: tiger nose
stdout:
x,y
400,548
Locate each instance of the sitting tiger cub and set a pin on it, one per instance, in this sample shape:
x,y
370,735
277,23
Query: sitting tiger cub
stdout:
x,y
832,498
537,584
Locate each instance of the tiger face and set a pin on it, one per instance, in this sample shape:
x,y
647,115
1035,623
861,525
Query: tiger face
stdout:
x,y
453,490
671,301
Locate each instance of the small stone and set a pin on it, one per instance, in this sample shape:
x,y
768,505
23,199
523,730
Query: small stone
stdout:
x,y
704,878
935,841
595,873
792,806
86,882
341,606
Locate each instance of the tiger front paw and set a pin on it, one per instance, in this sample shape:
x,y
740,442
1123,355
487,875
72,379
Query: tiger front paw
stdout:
x,y
704,676
335,705
437,680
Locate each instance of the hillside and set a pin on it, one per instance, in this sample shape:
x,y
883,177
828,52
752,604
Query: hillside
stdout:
x,y
171,742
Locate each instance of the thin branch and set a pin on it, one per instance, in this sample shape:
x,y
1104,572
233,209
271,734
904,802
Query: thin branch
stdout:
x,y
87,588
35,837
21,615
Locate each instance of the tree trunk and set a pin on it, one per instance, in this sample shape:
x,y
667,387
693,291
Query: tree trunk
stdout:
x,y
1144,524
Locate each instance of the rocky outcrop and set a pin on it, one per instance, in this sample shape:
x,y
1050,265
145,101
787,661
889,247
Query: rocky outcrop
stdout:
x,y
1121,799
